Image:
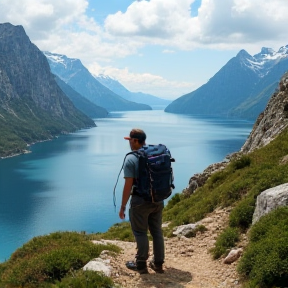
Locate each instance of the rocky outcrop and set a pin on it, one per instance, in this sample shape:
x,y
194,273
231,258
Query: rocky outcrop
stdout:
x,y
199,179
269,200
272,121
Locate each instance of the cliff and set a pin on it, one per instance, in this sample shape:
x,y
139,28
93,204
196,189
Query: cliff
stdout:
x,y
32,106
272,121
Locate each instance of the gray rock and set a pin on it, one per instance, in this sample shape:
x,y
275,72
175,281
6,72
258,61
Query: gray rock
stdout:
x,y
233,255
99,265
269,200
185,230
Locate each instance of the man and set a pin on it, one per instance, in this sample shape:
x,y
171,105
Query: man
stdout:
x,y
143,214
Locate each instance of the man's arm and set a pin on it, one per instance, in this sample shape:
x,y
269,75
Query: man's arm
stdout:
x,y
125,196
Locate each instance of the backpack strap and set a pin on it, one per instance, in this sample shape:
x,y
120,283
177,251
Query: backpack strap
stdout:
x,y
114,194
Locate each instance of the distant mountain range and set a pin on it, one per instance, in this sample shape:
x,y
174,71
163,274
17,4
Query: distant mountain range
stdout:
x,y
76,75
32,106
138,97
239,89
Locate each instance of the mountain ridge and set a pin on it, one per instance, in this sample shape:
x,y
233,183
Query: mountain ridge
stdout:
x,y
76,75
138,97
230,91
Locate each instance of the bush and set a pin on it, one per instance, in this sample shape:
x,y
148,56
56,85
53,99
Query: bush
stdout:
x,y
225,241
119,231
265,261
46,259
241,163
85,279
241,216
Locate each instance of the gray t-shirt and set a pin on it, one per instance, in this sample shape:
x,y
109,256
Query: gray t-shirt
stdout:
x,y
130,167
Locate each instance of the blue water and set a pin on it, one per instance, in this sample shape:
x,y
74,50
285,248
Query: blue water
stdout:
x,y
67,184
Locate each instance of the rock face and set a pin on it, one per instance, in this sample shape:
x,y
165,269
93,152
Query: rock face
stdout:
x,y
199,179
269,200
32,106
272,121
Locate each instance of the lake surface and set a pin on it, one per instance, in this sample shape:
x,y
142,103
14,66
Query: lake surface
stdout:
x,y
67,184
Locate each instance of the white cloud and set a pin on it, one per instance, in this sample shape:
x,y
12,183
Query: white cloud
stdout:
x,y
62,26
148,83
219,24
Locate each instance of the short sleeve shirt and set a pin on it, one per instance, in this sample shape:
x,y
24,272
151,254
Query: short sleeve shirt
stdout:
x,y
130,167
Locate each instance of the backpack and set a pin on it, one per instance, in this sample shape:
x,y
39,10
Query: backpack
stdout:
x,y
155,179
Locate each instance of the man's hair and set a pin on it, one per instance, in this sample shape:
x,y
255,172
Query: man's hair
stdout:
x,y
138,134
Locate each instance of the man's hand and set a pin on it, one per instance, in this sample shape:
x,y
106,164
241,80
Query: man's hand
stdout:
x,y
122,212
125,196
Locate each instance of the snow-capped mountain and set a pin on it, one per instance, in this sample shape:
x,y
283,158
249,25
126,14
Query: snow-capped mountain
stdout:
x,y
76,75
241,88
138,97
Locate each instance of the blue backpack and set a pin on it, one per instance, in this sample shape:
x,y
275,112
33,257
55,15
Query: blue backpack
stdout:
x,y
155,181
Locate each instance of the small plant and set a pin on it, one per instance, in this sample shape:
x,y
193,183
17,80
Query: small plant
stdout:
x,y
241,215
225,241
85,279
241,163
199,228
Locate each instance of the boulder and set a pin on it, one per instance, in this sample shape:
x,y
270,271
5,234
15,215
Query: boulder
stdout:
x,y
269,200
99,265
185,230
233,255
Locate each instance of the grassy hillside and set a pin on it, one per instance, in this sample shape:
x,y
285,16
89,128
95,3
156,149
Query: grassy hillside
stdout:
x,y
265,259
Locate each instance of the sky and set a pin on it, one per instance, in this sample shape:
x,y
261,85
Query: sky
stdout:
x,y
166,48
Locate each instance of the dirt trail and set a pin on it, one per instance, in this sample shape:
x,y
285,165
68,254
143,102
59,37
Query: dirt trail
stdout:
x,y
188,262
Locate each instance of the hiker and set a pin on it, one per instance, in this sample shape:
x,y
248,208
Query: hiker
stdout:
x,y
143,214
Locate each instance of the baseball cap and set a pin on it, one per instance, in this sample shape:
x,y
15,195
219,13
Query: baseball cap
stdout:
x,y
137,134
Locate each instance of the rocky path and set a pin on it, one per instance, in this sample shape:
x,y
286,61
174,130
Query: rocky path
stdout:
x,y
188,262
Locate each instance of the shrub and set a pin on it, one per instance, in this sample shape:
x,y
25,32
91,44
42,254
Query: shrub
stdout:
x,y
241,215
46,259
174,200
85,279
265,261
241,163
225,241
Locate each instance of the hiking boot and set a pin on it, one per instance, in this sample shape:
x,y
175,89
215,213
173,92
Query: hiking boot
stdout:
x,y
141,269
156,268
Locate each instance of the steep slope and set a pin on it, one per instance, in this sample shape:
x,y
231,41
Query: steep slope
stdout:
x,y
241,88
80,102
32,106
272,121
73,73
138,97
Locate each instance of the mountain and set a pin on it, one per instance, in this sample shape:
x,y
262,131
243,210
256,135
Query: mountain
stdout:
x,y
73,73
32,106
80,102
239,89
138,97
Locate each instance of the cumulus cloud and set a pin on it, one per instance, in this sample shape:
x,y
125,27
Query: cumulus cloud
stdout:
x,y
225,23
62,26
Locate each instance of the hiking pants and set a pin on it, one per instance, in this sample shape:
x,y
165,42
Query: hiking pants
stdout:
x,y
146,215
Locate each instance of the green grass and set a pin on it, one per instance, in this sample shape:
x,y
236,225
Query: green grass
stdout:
x,y
46,260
